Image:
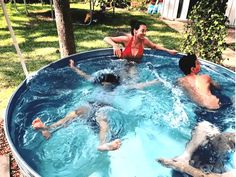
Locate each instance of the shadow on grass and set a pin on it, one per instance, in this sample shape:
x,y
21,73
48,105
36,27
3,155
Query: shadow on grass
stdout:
x,y
12,71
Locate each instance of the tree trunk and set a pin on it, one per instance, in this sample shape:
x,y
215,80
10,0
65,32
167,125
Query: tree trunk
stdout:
x,y
64,27
26,9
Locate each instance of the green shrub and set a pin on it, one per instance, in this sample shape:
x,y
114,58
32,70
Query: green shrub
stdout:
x,y
206,30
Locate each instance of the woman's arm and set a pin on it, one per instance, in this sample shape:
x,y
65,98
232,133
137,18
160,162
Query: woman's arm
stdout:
x,y
114,42
78,71
152,45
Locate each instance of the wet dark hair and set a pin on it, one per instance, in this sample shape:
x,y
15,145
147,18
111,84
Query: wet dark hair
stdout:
x,y
108,77
187,62
135,24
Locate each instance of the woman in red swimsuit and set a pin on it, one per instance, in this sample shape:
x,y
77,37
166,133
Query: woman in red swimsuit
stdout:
x,y
134,43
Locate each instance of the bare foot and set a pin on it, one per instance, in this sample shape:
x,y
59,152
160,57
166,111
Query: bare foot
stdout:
x,y
114,145
38,124
71,63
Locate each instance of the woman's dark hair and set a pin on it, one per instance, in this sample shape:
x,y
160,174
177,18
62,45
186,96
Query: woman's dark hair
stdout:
x,y
108,77
135,24
187,62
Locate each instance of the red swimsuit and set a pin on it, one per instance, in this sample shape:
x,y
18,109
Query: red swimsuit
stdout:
x,y
127,53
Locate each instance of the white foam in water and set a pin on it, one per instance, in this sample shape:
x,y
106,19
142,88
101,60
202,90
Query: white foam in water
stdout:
x,y
139,151
31,76
95,174
128,103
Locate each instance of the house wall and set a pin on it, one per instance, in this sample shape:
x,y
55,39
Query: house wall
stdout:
x,y
230,12
170,9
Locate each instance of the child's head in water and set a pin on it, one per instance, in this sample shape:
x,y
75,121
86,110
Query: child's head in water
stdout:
x,y
108,80
189,64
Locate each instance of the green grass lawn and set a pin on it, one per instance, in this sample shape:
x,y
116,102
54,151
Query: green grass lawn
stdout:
x,y
37,38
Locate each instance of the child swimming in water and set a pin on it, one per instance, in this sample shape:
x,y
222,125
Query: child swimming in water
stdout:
x,y
94,110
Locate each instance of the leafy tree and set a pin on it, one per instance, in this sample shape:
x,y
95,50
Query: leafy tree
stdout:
x,y
206,30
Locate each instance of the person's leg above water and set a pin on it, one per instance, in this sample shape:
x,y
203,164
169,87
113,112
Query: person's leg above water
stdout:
x,y
200,135
37,124
103,133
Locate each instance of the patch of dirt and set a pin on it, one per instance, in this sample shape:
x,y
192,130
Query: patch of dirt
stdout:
x,y
5,149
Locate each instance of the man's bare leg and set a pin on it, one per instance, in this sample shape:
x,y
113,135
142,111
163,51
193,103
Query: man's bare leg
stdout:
x,y
103,146
39,125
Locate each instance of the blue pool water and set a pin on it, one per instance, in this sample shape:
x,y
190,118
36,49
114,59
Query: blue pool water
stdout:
x,y
152,123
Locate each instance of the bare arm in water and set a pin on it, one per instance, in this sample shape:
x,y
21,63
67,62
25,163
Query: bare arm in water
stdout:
x,y
142,85
78,71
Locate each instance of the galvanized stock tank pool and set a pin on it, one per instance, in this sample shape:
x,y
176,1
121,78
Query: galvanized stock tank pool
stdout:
x,y
153,122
